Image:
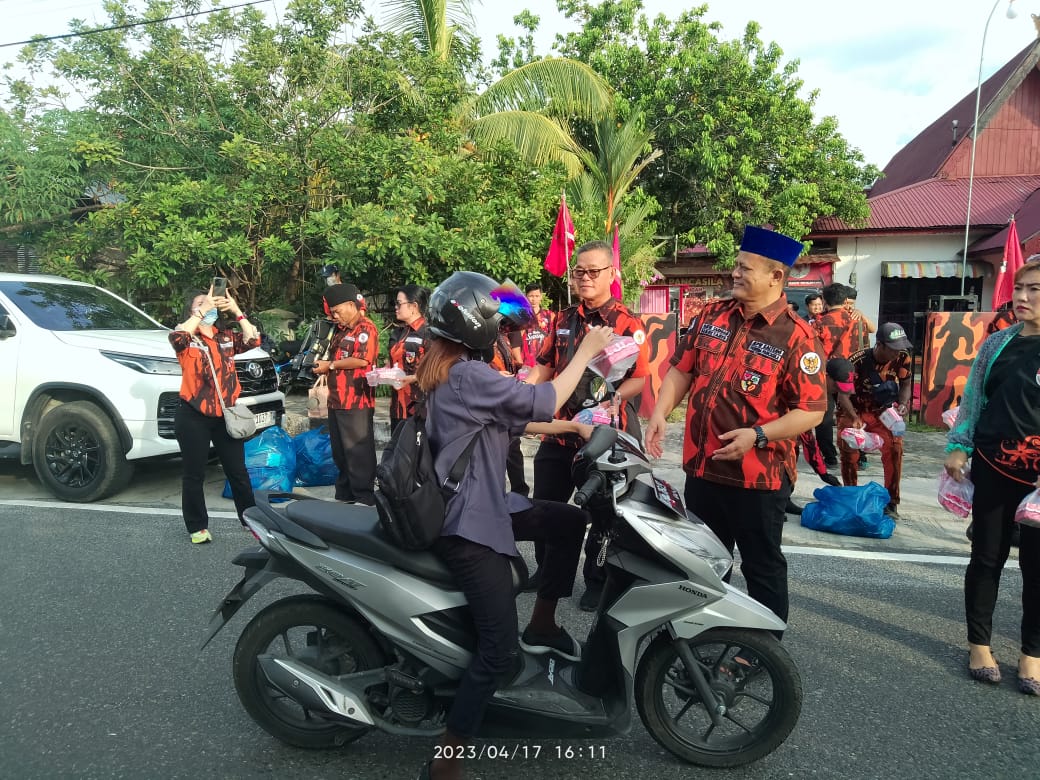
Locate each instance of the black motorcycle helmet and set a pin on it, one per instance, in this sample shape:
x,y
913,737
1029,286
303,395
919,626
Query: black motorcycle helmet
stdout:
x,y
468,308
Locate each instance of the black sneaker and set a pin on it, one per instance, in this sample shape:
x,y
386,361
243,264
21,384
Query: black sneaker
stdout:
x,y
560,643
590,599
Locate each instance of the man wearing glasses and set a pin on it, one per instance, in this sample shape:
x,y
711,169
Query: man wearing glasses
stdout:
x,y
591,276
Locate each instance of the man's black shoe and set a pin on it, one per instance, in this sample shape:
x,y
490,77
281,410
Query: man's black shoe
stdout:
x,y
590,599
892,511
832,462
792,508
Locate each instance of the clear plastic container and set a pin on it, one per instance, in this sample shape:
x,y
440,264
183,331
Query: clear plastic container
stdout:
x,y
893,421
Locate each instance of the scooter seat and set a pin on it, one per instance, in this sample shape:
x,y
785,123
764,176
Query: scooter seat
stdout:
x,y
356,527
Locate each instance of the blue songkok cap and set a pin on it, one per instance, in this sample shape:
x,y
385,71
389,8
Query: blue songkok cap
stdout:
x,y
769,243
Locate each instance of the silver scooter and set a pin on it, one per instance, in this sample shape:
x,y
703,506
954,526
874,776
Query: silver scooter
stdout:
x,y
384,638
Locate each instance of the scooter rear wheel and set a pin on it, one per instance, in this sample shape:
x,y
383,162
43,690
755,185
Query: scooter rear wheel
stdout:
x,y
310,630
750,674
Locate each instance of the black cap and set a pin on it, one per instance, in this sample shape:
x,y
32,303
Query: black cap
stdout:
x,y
892,335
342,293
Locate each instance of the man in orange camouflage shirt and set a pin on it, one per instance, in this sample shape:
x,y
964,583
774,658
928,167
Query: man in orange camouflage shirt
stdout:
x,y
756,382
352,401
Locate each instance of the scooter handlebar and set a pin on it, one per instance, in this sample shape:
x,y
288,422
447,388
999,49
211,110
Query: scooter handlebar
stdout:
x,y
594,483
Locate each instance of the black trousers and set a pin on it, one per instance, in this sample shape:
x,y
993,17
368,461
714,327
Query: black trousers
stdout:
x,y
353,440
993,519
552,482
515,468
753,520
195,431
486,577
825,433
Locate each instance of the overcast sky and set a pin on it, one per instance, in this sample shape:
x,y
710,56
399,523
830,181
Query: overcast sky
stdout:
x,y
885,68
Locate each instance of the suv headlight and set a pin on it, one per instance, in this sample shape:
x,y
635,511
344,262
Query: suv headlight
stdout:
x,y
146,364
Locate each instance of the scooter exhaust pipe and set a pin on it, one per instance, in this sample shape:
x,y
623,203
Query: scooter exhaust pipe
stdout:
x,y
313,690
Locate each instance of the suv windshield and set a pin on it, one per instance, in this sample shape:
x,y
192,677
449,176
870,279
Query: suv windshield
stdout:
x,y
74,307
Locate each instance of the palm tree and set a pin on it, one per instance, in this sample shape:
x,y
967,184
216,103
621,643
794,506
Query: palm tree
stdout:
x,y
442,28
528,107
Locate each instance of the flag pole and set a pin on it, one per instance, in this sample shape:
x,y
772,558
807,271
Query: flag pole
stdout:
x,y
567,275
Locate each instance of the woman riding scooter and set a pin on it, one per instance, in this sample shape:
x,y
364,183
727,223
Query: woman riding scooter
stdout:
x,y
467,398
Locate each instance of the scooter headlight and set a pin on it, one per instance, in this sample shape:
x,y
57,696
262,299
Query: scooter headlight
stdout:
x,y
694,540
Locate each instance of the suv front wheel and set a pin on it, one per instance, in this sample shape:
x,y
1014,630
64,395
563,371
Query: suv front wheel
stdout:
x,y
77,455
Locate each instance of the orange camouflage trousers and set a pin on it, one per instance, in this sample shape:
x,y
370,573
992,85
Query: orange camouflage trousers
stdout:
x,y
891,453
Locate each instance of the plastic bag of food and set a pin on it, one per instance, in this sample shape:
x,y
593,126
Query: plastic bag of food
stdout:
x,y
956,496
1028,512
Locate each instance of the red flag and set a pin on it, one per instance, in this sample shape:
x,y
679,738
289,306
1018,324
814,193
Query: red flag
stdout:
x,y
1004,287
615,286
559,256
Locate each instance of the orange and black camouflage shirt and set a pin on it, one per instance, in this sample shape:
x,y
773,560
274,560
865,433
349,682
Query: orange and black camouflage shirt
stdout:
x,y
558,347
747,372
867,371
348,388
836,330
196,378
405,353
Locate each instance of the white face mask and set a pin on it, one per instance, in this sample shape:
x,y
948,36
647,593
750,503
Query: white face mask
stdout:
x,y
210,317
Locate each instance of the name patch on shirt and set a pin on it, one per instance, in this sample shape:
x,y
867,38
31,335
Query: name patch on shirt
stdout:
x,y
766,350
563,332
415,339
714,331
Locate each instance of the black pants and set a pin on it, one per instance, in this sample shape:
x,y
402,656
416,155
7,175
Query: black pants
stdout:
x,y
993,519
552,482
486,577
195,431
753,520
515,468
353,440
825,434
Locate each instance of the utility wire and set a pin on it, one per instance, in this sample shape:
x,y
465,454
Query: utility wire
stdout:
x,y
133,24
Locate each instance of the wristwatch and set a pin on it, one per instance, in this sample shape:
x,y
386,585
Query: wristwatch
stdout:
x,y
760,437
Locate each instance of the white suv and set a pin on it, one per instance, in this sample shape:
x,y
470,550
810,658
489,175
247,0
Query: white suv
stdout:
x,y
89,383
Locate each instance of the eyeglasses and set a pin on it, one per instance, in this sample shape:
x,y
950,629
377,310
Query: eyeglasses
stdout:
x,y
592,273
399,304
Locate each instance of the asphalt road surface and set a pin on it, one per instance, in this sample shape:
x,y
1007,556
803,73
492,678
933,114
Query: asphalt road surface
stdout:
x,y
104,609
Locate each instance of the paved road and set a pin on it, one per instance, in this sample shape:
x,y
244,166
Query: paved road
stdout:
x,y
101,675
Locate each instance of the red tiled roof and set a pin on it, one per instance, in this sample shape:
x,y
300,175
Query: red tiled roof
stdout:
x,y
940,204
923,157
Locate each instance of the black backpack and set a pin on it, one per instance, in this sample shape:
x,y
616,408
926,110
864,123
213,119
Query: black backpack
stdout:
x,y
410,501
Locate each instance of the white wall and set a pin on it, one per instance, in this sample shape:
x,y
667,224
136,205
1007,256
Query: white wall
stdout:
x,y
864,256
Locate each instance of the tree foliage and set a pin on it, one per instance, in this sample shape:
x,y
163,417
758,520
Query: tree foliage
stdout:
x,y
739,143
233,146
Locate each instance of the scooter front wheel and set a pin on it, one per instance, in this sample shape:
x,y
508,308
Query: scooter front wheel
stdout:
x,y
755,688
309,630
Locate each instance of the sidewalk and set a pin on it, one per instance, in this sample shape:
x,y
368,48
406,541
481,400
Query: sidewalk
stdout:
x,y
925,526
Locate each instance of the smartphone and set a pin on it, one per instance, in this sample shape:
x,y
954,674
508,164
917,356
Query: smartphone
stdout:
x,y
219,287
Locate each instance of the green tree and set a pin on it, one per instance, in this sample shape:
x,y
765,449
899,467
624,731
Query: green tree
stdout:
x,y
529,107
739,144
227,145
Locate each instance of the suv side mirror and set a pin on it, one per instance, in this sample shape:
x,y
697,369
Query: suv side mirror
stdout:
x,y
6,327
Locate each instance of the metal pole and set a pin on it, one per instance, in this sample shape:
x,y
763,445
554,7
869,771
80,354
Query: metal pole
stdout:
x,y
974,139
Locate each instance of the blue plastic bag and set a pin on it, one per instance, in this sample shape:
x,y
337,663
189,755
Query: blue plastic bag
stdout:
x,y
270,461
850,511
314,464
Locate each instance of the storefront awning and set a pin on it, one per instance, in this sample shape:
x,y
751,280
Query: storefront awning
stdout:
x,y
934,270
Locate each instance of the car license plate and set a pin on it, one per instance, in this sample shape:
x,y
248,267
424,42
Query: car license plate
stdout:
x,y
264,419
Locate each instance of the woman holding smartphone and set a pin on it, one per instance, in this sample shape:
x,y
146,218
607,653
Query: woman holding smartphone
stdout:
x,y
199,341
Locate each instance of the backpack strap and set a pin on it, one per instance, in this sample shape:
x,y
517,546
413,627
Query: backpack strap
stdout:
x,y
451,483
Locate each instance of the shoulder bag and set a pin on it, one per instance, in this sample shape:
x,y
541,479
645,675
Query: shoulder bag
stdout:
x,y
238,419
